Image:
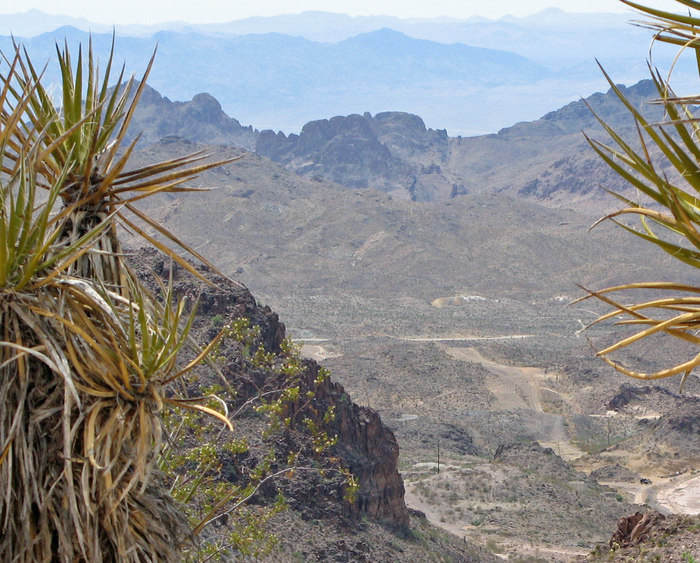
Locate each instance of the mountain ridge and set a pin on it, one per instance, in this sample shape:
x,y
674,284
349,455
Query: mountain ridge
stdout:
x,y
395,152
48,22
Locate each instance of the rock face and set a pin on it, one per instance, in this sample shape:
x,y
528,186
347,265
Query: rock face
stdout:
x,y
372,454
634,529
369,449
344,149
360,151
639,397
365,445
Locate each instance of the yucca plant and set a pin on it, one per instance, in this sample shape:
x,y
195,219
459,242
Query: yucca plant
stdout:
x,y
79,145
669,202
87,356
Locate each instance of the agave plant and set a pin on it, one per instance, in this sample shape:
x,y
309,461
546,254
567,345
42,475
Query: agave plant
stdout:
x,y
668,207
87,356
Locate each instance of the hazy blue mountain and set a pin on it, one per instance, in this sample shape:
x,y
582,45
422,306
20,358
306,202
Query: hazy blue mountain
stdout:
x,y
556,39
36,22
550,37
280,81
469,76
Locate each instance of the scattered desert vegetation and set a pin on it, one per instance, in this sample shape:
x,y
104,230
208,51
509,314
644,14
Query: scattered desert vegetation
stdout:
x,y
511,434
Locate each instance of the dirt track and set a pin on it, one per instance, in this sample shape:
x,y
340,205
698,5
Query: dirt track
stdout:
x,y
518,387
680,495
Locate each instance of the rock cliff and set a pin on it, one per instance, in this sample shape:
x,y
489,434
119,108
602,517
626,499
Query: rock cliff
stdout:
x,y
370,451
393,152
199,120
365,446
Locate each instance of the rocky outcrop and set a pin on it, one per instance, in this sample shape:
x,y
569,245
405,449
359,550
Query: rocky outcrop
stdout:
x,y
656,396
343,149
388,152
634,529
367,448
652,537
200,120
406,135
533,457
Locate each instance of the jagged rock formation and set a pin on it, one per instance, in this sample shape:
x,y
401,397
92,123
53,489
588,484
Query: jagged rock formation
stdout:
x,y
344,149
360,151
634,529
365,445
201,119
547,160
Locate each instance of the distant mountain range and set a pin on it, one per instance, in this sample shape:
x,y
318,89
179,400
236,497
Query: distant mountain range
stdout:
x,y
467,76
579,37
546,160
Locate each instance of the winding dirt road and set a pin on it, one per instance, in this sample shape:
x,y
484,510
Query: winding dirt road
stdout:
x,y
518,387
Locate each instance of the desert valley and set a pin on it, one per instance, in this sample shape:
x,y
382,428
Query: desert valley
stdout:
x,y
434,275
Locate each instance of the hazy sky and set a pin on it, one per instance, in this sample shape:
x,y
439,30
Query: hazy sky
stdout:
x,y
200,11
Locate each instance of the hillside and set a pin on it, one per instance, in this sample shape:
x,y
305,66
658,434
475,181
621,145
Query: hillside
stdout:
x,y
448,317
322,237
317,524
